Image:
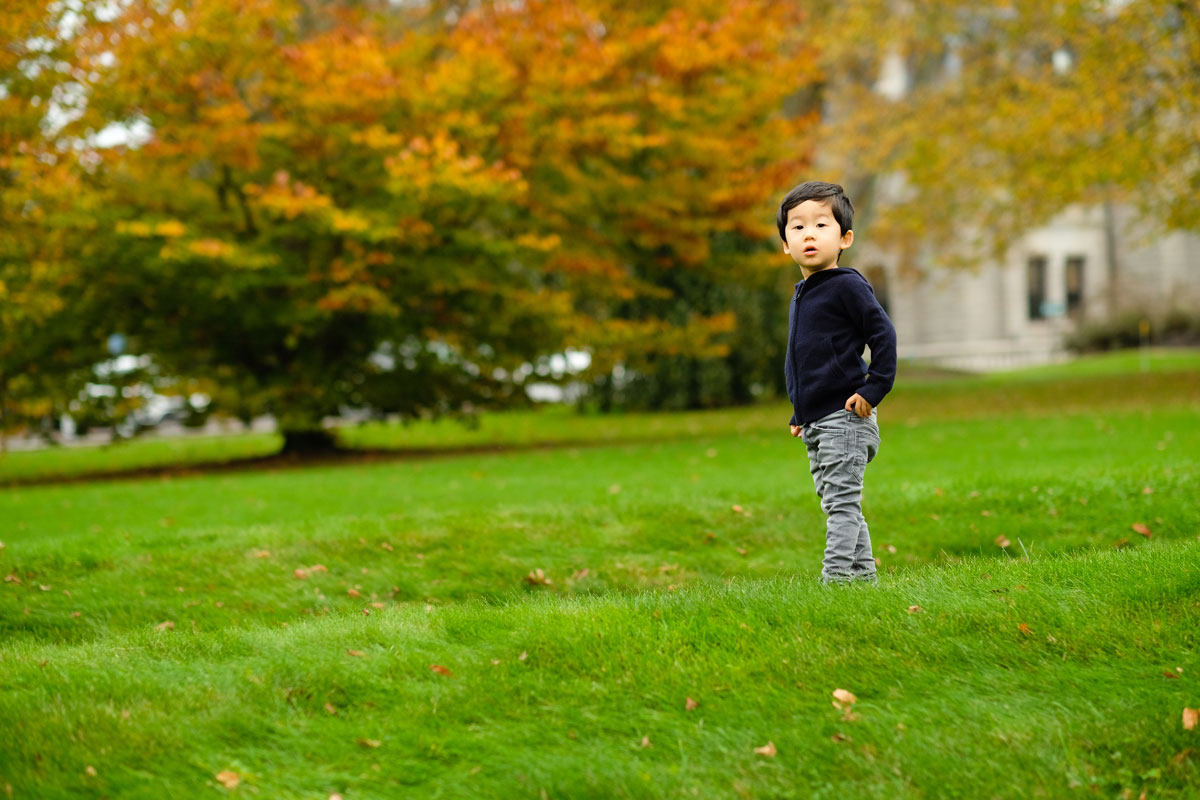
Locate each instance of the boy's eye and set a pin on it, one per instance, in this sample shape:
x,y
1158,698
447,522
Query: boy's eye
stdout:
x,y
820,224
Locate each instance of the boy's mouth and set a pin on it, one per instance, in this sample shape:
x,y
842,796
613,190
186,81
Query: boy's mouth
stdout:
x,y
810,251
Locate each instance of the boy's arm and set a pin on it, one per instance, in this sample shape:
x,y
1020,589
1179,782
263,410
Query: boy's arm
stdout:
x,y
880,335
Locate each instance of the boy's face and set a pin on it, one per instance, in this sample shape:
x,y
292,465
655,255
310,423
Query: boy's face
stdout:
x,y
814,239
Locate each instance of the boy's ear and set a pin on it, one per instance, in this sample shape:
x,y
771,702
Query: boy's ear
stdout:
x,y
847,239
786,249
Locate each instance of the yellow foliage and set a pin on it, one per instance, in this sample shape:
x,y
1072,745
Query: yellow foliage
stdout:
x,y
544,244
209,248
135,228
171,229
342,221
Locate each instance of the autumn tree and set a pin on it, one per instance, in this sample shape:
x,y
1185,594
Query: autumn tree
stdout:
x,y
48,338
1007,112
343,204
655,140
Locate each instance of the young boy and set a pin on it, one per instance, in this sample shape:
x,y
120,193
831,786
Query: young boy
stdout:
x,y
833,314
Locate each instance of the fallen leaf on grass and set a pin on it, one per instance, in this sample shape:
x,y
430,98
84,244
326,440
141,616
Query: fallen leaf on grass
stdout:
x,y
90,770
1167,674
1025,629
366,612
1190,717
301,573
741,551
319,568
11,578
690,704
1122,542
738,509
915,610
1181,756
387,547
440,670
355,653
646,742
368,742
767,750
537,578
839,737
354,592
168,625
843,696
228,779
335,796
579,574
523,656
331,708
262,553
1147,490
891,548
1142,528
378,605
1003,541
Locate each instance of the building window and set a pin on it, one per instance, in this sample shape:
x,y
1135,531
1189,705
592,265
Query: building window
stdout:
x,y
1075,284
1036,280
877,277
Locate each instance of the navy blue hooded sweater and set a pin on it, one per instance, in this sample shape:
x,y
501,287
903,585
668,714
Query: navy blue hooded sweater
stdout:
x,y
832,316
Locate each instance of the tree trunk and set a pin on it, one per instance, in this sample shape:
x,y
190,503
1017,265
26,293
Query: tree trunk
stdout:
x,y
308,442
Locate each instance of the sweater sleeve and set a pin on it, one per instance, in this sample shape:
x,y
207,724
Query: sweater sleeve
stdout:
x,y
789,369
880,336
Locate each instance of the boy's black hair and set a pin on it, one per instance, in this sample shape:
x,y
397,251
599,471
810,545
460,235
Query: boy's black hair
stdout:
x,y
843,210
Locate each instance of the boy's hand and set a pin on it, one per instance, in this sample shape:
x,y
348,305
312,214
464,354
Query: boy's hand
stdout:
x,y
859,405
797,430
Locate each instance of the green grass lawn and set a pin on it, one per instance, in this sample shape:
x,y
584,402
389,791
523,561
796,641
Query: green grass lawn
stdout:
x,y
282,625
1113,380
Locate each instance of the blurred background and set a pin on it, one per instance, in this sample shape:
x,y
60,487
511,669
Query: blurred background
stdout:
x,y
294,215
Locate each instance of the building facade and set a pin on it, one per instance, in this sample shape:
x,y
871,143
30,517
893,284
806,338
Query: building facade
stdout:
x,y
1089,265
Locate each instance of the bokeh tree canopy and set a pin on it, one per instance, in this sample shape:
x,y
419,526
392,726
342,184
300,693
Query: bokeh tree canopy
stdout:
x,y
359,204
1004,112
47,221
408,207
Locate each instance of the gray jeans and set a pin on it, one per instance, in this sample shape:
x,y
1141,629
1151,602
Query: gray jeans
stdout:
x,y
839,448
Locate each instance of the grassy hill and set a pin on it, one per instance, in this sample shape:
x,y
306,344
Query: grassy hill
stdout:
x,y
168,636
